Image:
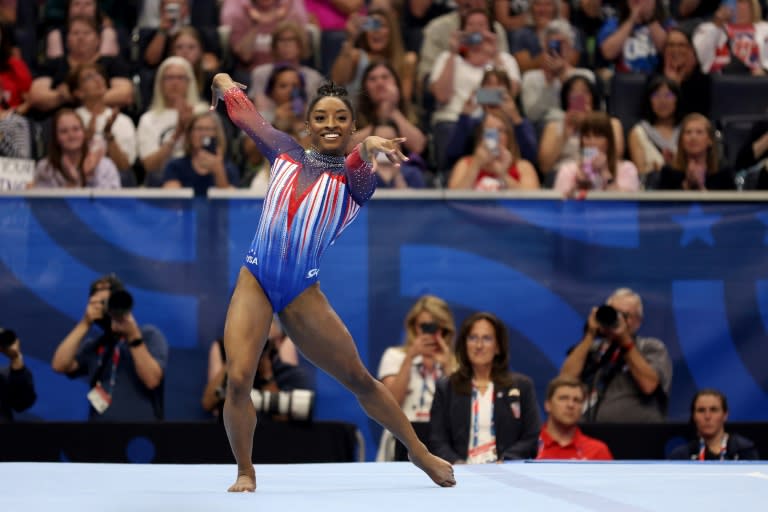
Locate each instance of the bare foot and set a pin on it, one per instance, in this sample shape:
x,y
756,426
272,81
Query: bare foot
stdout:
x,y
439,470
244,483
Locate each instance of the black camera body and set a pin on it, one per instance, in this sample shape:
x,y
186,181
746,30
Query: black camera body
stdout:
x,y
607,316
120,303
429,327
7,338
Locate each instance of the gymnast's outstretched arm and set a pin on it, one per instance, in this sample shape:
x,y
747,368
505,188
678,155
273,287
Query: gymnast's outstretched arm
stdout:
x,y
270,141
361,166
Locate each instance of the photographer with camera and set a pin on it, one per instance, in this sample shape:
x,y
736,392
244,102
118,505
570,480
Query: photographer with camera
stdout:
x,y
17,388
627,376
125,364
282,390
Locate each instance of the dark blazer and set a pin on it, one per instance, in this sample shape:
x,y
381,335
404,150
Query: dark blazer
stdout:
x,y
738,448
516,438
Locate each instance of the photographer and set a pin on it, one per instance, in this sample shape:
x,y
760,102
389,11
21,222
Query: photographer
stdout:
x,y
125,364
17,388
627,376
278,374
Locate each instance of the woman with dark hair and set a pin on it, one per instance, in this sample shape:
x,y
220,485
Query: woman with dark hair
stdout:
x,y
599,166
188,43
696,165
15,77
495,162
375,38
634,38
680,63
653,140
70,161
313,196
110,43
709,412
484,412
560,140
381,100
286,109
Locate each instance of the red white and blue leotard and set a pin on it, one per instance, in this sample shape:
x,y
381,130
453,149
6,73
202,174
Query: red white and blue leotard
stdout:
x,y
310,200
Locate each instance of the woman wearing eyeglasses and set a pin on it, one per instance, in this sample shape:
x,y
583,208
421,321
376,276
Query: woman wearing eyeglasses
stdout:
x,y
411,371
483,412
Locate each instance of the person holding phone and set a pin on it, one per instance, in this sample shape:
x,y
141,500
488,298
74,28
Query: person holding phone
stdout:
x,y
203,166
540,90
599,167
287,100
495,163
560,140
734,42
411,370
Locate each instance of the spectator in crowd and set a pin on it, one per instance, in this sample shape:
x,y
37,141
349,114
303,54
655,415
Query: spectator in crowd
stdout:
x,y
290,46
254,169
528,44
634,38
512,14
411,371
462,143
561,437
627,376
278,370
15,135
174,19
188,44
459,71
105,126
374,38
409,174
681,65
599,166
8,11
333,16
696,165
588,17
285,91
692,12
653,140
49,91
734,42
17,386
483,412
381,101
541,86
161,129
72,160
438,36
124,363
495,163
709,412
204,164
15,77
252,23
110,44
560,140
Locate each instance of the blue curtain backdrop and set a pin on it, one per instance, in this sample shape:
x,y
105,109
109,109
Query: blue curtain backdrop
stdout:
x,y
701,267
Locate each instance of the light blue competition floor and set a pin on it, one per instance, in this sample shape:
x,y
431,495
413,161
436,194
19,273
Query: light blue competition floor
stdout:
x,y
387,487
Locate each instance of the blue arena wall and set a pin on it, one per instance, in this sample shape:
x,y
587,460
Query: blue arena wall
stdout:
x,y
538,262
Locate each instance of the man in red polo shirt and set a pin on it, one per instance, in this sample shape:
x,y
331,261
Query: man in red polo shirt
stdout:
x,y
560,437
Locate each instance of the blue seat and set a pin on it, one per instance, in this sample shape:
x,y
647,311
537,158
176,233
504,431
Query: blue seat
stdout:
x,y
734,132
626,98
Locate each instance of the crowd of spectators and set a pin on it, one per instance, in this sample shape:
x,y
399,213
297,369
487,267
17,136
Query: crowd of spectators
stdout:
x,y
432,71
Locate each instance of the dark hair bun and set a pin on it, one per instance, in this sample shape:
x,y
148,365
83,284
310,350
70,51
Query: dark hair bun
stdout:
x,y
331,89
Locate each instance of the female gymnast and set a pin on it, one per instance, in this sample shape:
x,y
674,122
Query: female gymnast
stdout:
x,y
312,196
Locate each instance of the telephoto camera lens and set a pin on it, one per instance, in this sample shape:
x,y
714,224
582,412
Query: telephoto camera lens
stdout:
x,y
296,404
607,316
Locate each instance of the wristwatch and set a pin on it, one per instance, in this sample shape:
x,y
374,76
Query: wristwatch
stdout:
x,y
135,343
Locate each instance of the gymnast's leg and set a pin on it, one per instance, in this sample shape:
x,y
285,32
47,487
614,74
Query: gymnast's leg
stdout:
x,y
320,334
245,332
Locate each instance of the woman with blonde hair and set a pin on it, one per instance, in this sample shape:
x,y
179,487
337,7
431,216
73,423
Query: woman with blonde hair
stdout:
x,y
697,163
175,100
411,370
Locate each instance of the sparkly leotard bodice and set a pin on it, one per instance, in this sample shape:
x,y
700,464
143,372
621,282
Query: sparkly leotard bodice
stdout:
x,y
311,198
